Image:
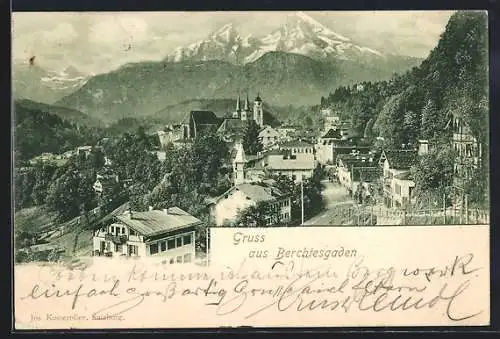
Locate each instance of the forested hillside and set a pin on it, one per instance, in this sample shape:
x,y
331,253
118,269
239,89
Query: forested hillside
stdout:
x,y
37,131
419,104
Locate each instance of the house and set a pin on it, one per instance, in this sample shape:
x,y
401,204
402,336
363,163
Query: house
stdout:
x,y
106,181
326,144
84,150
363,180
468,156
226,208
199,122
297,147
167,233
396,165
169,134
296,167
269,136
353,169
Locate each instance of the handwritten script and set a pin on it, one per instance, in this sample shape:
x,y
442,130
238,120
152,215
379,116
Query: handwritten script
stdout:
x,y
280,287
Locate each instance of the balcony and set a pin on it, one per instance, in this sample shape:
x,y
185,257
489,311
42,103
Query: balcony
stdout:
x,y
117,239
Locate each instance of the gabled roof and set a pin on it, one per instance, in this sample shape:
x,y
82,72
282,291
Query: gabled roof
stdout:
x,y
300,163
204,117
255,191
367,174
232,126
332,134
400,159
157,221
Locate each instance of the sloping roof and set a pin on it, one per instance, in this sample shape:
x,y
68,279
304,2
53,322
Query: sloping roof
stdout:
x,y
299,163
332,134
400,159
233,126
119,210
367,174
155,222
295,143
256,191
204,117
404,176
362,160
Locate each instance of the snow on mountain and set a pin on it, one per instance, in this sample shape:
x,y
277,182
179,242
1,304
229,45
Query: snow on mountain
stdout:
x,y
301,34
40,84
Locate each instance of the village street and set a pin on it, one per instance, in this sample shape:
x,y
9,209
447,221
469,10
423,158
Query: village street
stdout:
x,y
335,196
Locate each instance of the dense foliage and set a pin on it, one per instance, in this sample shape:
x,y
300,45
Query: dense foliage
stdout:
x,y
420,104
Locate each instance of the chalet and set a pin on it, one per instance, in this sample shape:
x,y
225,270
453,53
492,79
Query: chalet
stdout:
x,y
167,233
269,136
225,209
397,183
352,169
296,167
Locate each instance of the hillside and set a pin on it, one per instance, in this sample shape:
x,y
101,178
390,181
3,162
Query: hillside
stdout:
x,y
34,82
142,89
420,104
38,131
65,113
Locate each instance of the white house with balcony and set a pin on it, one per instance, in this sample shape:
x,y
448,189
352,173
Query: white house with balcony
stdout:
x,y
167,233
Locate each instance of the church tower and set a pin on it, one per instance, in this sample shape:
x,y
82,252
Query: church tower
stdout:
x,y
237,112
239,165
258,112
245,114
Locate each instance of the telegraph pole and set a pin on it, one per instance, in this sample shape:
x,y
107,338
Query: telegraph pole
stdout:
x,y
302,199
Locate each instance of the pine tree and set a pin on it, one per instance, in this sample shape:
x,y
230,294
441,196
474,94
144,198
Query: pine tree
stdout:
x,y
251,143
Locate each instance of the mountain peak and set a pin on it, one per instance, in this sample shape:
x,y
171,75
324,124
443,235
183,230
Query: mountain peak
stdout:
x,y
301,34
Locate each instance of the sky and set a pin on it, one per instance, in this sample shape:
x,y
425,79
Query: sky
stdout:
x,y
94,42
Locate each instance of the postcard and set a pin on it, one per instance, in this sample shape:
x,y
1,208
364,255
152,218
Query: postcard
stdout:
x,y
261,169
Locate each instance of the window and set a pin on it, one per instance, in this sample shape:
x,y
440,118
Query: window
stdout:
x,y
132,232
178,242
187,257
179,259
171,244
186,239
123,230
163,246
118,248
153,248
172,261
132,250
112,229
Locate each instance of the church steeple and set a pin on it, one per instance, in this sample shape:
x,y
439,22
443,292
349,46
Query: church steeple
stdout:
x,y
247,104
237,112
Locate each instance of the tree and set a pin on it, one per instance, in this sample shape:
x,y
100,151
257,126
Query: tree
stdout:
x,y
261,214
431,122
251,143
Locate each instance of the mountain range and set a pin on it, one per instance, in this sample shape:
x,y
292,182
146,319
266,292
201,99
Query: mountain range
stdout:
x,y
301,34
294,65
34,82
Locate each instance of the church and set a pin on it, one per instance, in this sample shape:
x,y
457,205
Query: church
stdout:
x,y
233,126
256,112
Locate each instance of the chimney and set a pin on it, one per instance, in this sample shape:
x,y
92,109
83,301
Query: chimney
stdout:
x,y
150,208
165,210
423,147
